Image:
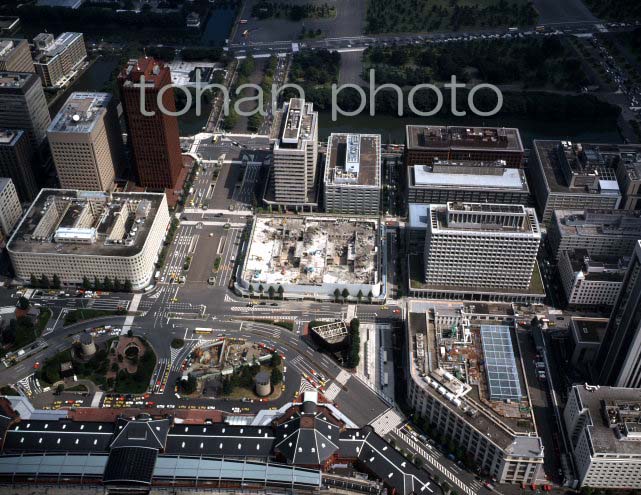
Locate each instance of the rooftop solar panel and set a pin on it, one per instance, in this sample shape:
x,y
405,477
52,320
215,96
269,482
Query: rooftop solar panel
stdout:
x,y
500,364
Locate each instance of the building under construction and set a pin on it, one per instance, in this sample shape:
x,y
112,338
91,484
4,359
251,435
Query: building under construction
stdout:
x,y
312,256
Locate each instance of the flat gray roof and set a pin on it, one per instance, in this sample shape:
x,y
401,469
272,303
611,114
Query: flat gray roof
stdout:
x,y
461,137
509,178
80,112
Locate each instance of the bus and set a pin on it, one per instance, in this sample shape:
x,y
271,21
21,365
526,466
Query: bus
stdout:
x,y
243,21
204,331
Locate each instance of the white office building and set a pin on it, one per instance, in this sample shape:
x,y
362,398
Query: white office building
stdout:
x,y
75,234
604,428
591,281
485,246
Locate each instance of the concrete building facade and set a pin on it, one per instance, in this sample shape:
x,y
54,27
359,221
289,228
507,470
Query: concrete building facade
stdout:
x,y
603,426
10,209
570,176
154,139
481,245
85,142
424,144
16,162
499,436
352,177
591,281
23,105
76,234
15,55
619,361
295,156
465,181
58,58
599,232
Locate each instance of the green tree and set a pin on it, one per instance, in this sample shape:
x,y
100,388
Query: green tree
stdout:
x,y
117,284
96,284
56,281
359,296
276,360
337,294
86,284
261,289
276,377
271,292
34,281
189,385
280,291
251,289
370,296
107,284
345,294
128,287
23,303
44,282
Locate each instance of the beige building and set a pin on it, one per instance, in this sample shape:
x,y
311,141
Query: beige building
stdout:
x,y
76,234
15,55
57,59
85,142
10,209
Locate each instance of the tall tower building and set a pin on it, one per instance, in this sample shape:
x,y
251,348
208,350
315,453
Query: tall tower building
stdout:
x,y
154,140
23,105
618,363
85,142
16,162
15,55
295,155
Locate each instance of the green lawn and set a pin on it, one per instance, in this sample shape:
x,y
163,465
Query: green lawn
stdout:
x,y
387,16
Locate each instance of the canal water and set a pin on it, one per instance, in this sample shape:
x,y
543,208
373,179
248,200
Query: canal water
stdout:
x,y
392,129
218,26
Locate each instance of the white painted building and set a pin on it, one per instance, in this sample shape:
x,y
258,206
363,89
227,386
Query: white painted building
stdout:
x,y
75,234
10,209
604,427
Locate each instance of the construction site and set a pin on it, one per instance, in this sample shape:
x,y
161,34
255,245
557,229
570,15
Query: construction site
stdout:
x,y
313,256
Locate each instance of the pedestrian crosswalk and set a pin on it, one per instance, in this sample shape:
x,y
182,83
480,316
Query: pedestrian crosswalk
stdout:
x,y
429,458
332,391
29,385
342,377
386,422
305,386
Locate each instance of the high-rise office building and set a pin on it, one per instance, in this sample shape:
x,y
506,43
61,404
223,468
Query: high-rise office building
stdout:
x,y
15,55
85,142
154,140
58,58
295,155
424,144
353,174
599,232
618,363
484,246
10,209
23,105
572,176
16,160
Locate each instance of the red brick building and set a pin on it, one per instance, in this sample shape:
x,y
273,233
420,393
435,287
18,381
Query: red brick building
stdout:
x,y
154,140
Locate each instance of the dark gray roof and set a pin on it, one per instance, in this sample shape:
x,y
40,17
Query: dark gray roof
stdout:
x,y
58,436
130,465
141,432
307,440
220,439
